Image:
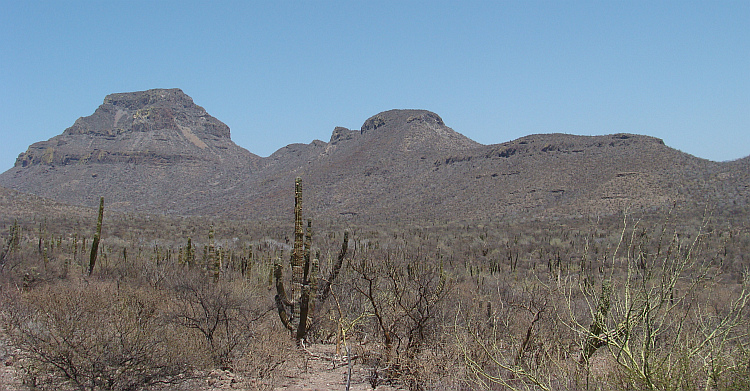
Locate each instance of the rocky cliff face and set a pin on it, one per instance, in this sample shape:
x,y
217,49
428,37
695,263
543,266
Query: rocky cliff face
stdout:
x,y
157,152
157,126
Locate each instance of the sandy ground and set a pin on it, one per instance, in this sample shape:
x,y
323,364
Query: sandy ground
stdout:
x,y
321,369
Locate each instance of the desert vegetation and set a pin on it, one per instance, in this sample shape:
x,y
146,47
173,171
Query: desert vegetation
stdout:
x,y
638,300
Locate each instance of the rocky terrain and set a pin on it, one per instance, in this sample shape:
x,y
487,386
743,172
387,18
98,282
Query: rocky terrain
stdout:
x,y
158,152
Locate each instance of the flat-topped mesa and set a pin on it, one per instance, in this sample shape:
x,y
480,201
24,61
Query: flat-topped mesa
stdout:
x,y
559,143
152,150
144,111
153,126
555,141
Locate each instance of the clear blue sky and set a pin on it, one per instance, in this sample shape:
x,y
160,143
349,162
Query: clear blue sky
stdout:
x,y
279,72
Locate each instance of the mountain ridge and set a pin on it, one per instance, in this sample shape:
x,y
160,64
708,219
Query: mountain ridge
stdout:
x,y
156,151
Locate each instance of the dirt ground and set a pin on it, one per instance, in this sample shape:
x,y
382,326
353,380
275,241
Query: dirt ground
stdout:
x,y
9,376
319,369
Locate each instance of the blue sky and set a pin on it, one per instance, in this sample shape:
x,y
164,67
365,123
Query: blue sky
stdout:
x,y
279,72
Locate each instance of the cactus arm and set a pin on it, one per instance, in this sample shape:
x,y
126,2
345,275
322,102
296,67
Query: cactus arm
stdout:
x,y
282,313
280,291
303,313
598,326
326,288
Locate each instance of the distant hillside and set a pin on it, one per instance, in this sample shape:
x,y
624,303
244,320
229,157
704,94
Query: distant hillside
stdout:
x,y
157,152
149,151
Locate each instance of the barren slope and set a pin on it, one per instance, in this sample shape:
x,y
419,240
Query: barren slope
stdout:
x,y
157,152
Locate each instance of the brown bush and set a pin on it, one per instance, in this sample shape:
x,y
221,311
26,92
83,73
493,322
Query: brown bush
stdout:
x,y
96,335
220,314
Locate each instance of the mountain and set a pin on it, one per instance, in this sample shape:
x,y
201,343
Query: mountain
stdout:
x,y
149,151
158,152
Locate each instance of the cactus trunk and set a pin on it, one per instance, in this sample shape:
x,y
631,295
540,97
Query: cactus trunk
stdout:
x,y
97,236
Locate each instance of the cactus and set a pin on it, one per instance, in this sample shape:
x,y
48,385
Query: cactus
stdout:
x,y
598,326
75,247
247,263
297,257
189,252
295,308
11,244
325,290
97,236
45,256
314,269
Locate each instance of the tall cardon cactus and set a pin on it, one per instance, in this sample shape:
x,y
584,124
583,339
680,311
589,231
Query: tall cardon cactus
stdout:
x,y
296,305
97,237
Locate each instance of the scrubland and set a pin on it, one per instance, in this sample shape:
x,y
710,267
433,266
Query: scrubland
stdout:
x,y
641,300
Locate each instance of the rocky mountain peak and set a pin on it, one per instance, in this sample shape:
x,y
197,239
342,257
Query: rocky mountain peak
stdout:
x,y
153,126
145,111
400,118
414,130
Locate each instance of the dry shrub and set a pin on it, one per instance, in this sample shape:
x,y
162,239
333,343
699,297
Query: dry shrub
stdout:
x,y
513,340
405,301
221,314
270,355
96,335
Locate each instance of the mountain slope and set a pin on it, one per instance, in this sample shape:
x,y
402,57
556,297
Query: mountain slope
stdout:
x,y
532,176
157,152
150,151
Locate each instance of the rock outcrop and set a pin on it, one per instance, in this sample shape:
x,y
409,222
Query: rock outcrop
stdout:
x,y
150,151
156,126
